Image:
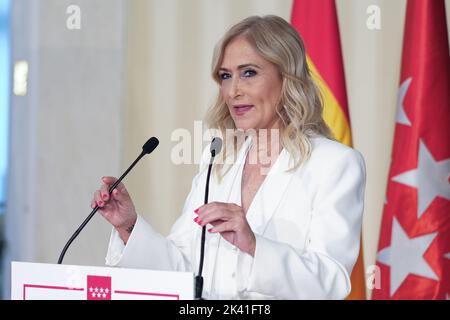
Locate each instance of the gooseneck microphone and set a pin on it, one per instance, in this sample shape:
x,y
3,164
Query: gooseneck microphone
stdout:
x,y
216,147
147,148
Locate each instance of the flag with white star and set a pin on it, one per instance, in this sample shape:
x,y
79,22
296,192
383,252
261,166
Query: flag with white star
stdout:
x,y
414,247
98,288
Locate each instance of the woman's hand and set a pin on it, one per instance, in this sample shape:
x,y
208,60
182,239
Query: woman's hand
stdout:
x,y
229,220
118,208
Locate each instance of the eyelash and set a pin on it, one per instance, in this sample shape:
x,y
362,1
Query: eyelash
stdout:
x,y
222,76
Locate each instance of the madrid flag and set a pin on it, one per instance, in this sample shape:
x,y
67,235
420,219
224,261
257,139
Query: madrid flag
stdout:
x,y
316,22
414,246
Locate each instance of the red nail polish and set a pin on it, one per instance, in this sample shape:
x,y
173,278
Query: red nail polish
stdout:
x,y
199,222
105,197
100,203
196,219
211,230
196,211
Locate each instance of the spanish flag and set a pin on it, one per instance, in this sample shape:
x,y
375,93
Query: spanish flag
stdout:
x,y
316,22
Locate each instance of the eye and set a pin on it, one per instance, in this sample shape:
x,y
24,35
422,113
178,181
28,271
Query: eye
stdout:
x,y
224,76
249,73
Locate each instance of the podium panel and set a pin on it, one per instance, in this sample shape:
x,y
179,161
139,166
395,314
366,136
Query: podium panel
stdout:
x,y
39,281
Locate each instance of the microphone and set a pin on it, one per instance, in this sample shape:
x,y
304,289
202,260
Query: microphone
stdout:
x,y
147,148
216,146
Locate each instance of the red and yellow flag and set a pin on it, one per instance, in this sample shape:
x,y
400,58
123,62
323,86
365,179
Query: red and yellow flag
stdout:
x,y
316,22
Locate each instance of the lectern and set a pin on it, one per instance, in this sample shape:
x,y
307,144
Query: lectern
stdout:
x,y
38,281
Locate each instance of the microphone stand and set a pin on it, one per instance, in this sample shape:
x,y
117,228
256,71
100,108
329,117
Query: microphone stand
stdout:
x,y
199,278
148,147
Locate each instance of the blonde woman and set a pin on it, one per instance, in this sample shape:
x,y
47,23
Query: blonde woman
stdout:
x,y
284,217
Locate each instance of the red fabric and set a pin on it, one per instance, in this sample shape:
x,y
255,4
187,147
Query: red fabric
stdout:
x,y
426,104
316,22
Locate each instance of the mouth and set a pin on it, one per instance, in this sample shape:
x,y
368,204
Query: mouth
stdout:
x,y
242,109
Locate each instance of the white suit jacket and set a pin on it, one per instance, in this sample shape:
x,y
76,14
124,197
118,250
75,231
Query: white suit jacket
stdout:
x,y
307,225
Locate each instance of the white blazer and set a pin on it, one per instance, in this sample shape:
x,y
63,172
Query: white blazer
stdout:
x,y
307,225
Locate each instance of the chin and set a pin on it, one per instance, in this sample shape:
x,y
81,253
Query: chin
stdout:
x,y
243,125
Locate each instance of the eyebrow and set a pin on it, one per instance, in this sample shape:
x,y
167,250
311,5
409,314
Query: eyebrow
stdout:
x,y
242,66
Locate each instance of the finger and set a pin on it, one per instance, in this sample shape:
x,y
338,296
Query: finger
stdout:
x,y
213,215
98,199
216,223
223,227
104,192
93,203
121,196
214,205
111,180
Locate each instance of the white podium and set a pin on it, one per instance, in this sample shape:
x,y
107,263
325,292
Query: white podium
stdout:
x,y
37,281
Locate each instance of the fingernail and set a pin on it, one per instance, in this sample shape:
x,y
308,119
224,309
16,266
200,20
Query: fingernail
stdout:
x,y
196,211
105,196
196,219
199,222
92,205
100,203
211,230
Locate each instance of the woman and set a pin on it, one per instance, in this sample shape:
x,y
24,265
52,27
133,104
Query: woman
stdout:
x,y
287,228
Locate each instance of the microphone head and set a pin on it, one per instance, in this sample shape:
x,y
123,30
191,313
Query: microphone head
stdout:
x,y
150,145
216,146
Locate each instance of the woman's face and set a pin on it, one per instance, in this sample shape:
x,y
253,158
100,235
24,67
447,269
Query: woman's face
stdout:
x,y
250,85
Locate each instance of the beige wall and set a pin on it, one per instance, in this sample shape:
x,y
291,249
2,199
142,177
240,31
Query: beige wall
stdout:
x,y
66,131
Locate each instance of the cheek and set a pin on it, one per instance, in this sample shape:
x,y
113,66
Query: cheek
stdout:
x,y
224,89
270,95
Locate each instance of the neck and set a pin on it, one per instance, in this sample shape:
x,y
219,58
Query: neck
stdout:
x,y
266,146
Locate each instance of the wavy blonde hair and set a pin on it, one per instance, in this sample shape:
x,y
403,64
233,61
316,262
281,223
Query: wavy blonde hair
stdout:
x,y
300,106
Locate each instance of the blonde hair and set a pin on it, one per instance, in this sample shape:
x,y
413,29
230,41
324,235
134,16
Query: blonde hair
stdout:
x,y
300,105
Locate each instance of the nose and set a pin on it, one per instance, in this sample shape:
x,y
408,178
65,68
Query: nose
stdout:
x,y
235,88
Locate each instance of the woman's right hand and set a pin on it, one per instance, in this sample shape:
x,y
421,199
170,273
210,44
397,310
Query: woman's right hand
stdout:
x,y
118,208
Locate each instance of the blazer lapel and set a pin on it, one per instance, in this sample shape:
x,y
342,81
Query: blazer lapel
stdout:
x,y
268,196
270,193
229,190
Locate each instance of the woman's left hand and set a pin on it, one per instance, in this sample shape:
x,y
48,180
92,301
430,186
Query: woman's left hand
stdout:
x,y
229,220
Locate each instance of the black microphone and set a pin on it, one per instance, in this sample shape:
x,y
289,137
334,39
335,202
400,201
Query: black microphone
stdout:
x,y
147,148
216,146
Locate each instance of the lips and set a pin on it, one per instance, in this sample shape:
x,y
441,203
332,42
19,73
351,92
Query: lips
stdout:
x,y
242,109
